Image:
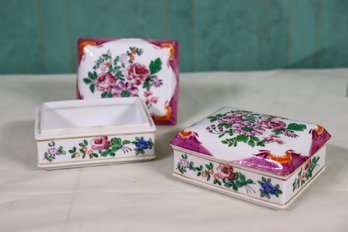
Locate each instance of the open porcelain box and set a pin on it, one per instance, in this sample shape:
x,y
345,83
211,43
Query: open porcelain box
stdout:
x,y
91,132
260,158
145,68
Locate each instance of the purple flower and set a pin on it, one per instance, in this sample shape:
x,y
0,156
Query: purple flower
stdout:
x,y
290,134
247,128
184,163
52,151
123,89
231,119
273,138
157,82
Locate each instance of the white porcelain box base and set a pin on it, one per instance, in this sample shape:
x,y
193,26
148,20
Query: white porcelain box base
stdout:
x,y
247,184
93,132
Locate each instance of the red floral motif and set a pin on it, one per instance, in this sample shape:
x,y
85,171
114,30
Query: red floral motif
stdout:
x,y
272,124
225,172
137,73
100,143
105,82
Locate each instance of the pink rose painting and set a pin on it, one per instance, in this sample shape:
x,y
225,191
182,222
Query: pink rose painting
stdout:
x,y
225,172
100,143
137,73
105,82
272,124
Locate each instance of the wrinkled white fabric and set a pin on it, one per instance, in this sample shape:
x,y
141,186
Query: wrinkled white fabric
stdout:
x,y
145,196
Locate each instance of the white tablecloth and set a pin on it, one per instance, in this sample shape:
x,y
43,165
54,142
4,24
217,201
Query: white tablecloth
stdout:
x,y
145,196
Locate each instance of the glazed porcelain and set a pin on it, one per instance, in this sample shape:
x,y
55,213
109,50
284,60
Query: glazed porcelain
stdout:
x,y
92,132
149,69
261,158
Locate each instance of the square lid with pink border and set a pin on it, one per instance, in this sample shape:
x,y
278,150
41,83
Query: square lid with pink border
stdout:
x,y
144,68
264,142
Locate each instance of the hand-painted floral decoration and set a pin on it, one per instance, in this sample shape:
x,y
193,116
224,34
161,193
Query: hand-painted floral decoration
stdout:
x,y
306,173
52,152
121,76
267,188
239,126
222,175
101,146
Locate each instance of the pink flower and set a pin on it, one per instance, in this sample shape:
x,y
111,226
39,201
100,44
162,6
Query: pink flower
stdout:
x,y
149,98
137,73
272,124
122,89
225,172
105,82
273,138
100,143
184,163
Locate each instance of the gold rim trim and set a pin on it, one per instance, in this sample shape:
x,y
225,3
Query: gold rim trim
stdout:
x,y
205,157
249,196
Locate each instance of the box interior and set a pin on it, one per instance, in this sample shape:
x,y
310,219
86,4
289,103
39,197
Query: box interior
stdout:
x,y
68,118
91,115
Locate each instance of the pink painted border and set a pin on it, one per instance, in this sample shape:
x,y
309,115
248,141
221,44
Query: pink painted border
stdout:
x,y
174,63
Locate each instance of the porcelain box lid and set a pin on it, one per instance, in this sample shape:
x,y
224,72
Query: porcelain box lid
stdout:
x,y
144,68
82,118
268,143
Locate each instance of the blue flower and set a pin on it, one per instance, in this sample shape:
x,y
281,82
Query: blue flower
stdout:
x,y
142,144
268,188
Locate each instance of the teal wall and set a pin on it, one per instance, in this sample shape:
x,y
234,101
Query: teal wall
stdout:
x,y
39,36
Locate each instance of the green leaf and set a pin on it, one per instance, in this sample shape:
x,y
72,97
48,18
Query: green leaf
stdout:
x,y
228,184
147,85
116,141
85,142
73,155
278,132
264,179
112,154
239,184
91,87
81,144
260,144
155,66
249,181
87,81
242,177
105,153
106,95
125,142
241,138
93,75
251,143
296,127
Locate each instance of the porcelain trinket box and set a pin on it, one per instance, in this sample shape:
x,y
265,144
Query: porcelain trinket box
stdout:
x,y
93,132
260,158
149,69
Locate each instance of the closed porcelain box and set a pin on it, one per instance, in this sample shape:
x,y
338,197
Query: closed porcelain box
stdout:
x,y
144,68
256,157
93,132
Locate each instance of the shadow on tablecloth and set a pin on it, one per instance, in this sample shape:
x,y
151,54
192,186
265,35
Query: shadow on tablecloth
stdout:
x,y
18,145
